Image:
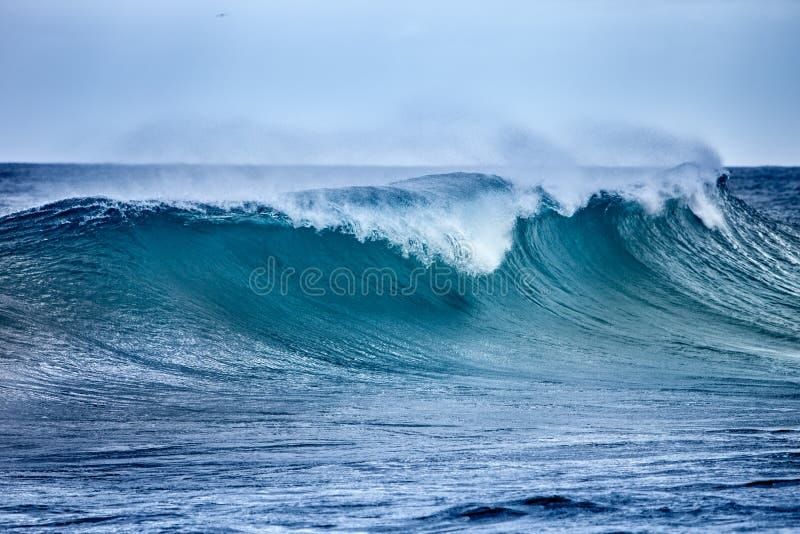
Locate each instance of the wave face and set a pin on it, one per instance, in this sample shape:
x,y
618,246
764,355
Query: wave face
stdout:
x,y
537,335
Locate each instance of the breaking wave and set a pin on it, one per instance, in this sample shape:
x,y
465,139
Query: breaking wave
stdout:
x,y
470,262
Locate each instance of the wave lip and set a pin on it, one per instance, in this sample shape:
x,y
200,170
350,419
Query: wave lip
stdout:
x,y
463,218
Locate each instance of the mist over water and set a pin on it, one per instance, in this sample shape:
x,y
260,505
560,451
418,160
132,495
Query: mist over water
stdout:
x,y
572,170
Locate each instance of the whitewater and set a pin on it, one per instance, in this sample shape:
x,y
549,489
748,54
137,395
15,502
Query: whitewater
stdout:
x,y
337,348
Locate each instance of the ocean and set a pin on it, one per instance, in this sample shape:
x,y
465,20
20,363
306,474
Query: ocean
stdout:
x,y
205,348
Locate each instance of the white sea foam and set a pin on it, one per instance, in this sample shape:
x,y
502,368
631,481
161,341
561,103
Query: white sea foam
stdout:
x,y
467,220
472,232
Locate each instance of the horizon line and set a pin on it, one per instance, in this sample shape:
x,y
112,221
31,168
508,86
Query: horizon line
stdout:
x,y
367,165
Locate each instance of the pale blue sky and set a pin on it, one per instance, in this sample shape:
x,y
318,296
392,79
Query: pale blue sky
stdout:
x,y
309,82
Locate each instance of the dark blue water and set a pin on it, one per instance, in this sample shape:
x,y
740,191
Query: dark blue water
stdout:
x,y
461,350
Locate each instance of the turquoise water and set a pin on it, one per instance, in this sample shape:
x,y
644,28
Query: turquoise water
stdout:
x,y
454,350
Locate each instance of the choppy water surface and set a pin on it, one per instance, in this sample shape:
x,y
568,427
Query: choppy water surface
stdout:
x,y
451,351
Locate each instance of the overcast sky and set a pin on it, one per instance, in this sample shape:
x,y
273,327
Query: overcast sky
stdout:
x,y
390,82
